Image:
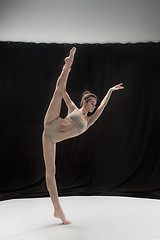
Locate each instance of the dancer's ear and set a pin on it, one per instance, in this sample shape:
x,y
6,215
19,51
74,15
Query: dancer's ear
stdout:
x,y
84,103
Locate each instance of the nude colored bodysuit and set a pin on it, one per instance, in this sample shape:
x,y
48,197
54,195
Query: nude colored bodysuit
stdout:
x,y
77,121
52,129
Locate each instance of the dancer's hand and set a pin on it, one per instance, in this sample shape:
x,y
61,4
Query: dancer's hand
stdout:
x,y
117,87
69,60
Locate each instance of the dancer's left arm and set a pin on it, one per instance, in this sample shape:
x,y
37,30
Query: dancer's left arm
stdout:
x,y
70,104
103,104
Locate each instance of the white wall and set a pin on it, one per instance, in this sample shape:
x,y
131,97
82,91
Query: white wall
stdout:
x,y
80,21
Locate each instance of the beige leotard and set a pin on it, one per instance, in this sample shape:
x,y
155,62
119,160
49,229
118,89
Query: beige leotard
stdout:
x,y
77,121
52,129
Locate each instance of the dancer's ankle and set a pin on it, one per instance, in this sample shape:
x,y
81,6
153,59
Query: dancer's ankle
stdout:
x,y
67,66
57,208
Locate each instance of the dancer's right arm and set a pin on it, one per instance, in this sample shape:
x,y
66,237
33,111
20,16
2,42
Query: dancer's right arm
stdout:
x,y
70,104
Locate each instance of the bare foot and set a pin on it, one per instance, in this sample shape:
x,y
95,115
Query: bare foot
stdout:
x,y
69,60
60,214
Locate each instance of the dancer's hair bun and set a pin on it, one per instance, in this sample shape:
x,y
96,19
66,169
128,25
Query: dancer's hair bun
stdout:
x,y
85,92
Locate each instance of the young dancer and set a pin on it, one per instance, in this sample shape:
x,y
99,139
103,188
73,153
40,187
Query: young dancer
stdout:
x,y
57,129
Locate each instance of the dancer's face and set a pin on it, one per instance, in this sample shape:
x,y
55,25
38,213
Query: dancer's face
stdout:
x,y
90,104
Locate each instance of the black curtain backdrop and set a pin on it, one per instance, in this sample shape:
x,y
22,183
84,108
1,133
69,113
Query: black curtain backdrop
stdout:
x,y
118,156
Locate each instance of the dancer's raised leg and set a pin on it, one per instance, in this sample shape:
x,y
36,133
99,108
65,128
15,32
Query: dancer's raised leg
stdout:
x,y
49,151
55,104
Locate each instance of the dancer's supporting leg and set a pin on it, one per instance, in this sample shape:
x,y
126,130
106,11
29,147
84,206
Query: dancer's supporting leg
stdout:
x,y
49,148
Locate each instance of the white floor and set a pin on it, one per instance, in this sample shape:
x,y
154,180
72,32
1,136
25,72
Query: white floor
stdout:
x,y
93,217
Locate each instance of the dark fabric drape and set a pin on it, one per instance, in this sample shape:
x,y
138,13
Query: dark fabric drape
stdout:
x,y
119,155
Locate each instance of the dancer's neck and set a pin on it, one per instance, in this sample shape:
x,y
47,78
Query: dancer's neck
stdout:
x,y
83,111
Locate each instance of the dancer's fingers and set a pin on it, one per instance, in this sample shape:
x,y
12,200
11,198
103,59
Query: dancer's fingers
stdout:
x,y
120,87
119,84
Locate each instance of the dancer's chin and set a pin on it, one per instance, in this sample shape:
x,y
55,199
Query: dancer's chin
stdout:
x,y
91,110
